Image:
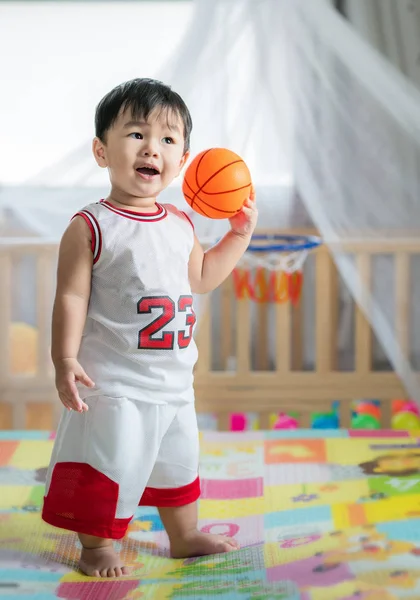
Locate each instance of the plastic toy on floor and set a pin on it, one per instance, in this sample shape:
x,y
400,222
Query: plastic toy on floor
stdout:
x,y
325,420
243,422
406,415
238,422
285,422
366,415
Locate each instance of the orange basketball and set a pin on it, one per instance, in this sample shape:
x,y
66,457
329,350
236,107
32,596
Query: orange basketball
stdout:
x,y
217,183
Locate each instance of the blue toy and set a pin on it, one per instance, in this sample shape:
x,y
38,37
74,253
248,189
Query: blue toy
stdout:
x,y
325,421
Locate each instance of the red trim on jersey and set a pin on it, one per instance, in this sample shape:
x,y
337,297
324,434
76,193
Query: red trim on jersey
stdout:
x,y
89,224
159,214
82,499
171,497
191,223
98,254
95,240
134,212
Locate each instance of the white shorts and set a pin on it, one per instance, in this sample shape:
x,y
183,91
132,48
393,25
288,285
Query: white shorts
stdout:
x,y
117,455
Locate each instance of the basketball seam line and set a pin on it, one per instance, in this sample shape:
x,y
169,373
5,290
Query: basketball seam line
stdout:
x,y
198,166
228,191
196,175
214,174
197,207
206,203
228,214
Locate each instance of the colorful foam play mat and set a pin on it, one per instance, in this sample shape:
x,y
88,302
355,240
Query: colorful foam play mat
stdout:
x,y
320,515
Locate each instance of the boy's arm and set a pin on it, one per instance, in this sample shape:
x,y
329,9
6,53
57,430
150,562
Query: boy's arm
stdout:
x,y
207,270
74,275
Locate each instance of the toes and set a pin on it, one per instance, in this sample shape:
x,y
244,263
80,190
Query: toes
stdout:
x,y
229,544
106,572
111,572
226,547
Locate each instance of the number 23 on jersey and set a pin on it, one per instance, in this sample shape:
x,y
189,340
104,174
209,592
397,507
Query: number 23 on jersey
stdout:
x,y
168,309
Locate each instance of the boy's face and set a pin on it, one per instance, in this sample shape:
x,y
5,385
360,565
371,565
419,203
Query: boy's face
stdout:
x,y
142,157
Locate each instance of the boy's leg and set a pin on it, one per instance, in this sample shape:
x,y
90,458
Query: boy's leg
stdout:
x,y
100,465
185,539
174,489
73,481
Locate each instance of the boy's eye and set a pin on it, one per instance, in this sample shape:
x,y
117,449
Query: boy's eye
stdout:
x,y
136,135
168,140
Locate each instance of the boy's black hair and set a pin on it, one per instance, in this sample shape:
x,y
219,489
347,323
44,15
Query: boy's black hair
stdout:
x,y
141,96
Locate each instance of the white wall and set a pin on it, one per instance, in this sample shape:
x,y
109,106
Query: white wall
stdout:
x,y
59,59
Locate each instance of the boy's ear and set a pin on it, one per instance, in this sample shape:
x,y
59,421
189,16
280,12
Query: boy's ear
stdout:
x,y
99,152
183,161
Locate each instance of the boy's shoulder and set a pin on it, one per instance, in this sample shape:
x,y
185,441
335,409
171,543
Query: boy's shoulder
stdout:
x,y
95,208
177,212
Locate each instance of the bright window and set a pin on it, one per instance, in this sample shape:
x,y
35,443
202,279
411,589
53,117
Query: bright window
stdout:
x,y
61,58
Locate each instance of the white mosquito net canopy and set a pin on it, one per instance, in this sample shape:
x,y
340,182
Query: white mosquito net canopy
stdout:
x,y
329,128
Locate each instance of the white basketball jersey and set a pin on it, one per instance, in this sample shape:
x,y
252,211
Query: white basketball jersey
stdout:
x,y
138,337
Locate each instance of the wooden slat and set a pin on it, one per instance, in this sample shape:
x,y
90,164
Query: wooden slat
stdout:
x,y
243,336
296,389
402,300
345,413
223,421
5,315
305,419
6,419
389,242
264,420
363,340
386,413
44,299
260,340
226,340
293,384
297,334
325,309
19,414
283,322
204,341
304,382
39,416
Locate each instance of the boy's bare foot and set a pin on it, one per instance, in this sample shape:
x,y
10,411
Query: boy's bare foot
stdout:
x,y
102,562
197,543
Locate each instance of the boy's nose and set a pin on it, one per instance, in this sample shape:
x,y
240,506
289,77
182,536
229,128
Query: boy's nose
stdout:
x,y
150,153
150,149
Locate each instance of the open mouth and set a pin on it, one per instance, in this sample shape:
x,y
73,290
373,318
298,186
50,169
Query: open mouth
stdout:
x,y
147,172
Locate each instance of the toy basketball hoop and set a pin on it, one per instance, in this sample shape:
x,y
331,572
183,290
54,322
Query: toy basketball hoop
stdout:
x,y
271,268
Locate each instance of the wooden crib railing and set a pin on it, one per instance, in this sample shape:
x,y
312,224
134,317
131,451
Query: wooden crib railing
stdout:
x,y
287,385
252,356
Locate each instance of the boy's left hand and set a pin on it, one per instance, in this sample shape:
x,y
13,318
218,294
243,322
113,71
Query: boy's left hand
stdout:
x,y
245,221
